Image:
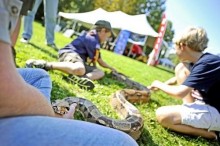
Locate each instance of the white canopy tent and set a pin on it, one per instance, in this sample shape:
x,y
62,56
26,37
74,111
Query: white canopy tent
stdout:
x,y
134,23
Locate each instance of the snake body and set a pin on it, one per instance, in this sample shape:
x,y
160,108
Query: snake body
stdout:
x,y
130,83
131,122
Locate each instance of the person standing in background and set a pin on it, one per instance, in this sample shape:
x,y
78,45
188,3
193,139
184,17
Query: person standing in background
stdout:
x,y
27,6
50,14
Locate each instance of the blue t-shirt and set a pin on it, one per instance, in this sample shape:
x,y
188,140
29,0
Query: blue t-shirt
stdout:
x,y
205,77
85,45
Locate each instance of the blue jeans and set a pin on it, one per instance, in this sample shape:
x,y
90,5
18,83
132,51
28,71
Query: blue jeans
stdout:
x,y
50,131
38,78
50,14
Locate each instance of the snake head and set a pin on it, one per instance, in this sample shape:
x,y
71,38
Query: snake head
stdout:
x,y
136,96
60,107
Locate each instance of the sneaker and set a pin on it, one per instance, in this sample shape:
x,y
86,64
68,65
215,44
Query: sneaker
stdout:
x,y
83,83
24,40
53,46
31,63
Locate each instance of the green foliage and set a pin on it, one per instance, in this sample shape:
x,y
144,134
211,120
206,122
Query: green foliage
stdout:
x,y
155,9
76,6
127,6
84,5
169,32
67,6
174,58
153,133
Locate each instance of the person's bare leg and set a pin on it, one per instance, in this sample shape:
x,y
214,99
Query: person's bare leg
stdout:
x,y
76,68
181,73
169,117
95,75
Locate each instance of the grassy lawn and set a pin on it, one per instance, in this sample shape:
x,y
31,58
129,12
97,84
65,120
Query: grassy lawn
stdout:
x,y
153,134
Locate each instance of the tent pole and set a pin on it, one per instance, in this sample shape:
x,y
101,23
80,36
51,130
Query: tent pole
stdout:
x,y
145,44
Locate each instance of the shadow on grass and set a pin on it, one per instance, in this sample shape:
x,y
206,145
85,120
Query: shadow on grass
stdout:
x,y
58,92
165,69
194,139
146,137
44,50
109,80
153,104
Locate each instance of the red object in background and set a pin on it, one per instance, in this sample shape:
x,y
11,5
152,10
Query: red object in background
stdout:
x,y
154,55
136,49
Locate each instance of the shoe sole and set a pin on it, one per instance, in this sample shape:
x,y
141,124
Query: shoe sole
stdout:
x,y
83,83
24,41
32,64
29,63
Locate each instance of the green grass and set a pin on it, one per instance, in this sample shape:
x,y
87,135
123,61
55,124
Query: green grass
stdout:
x,y
153,134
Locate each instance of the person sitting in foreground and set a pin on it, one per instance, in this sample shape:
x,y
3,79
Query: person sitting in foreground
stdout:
x,y
202,117
26,116
80,57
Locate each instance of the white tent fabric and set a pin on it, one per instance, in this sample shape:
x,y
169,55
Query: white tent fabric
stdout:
x,y
134,23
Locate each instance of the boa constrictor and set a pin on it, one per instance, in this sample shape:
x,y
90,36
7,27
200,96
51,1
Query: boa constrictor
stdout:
x,y
130,83
131,123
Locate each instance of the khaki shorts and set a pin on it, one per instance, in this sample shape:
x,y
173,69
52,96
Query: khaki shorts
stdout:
x,y
200,115
74,57
9,13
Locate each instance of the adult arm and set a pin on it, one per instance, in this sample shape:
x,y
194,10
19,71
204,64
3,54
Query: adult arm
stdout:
x,y
16,96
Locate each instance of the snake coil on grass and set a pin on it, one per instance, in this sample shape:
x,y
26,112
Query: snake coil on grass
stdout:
x,y
131,121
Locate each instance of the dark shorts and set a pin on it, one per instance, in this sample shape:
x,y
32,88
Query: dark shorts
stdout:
x,y
74,57
27,5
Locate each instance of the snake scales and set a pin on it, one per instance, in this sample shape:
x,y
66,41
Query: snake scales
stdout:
x,y
131,120
130,83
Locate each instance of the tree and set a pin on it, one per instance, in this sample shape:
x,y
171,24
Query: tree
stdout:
x,y
127,6
174,58
155,10
169,32
76,5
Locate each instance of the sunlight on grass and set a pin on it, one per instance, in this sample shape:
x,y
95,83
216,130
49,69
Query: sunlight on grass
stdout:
x,y
153,133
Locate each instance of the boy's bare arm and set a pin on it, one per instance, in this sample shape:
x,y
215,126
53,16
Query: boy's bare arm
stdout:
x,y
105,65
